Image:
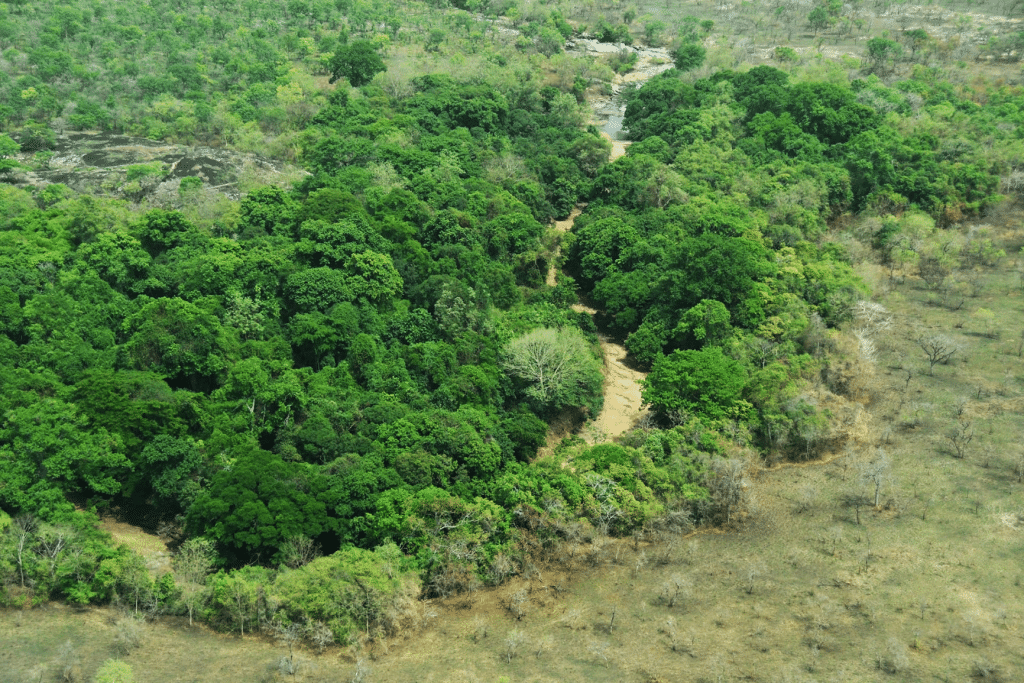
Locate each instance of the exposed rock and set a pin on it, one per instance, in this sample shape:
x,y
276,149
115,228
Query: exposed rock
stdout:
x,y
98,163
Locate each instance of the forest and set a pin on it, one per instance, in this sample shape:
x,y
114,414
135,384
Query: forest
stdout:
x,y
335,394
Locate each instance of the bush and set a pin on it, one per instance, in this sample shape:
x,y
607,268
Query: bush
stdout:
x,y
114,671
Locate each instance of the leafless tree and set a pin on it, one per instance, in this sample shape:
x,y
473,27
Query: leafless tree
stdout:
x,y
137,581
127,634
600,650
676,589
805,499
1018,466
672,522
639,563
288,635
679,642
877,473
319,635
544,644
24,529
872,317
502,567
751,576
362,671
480,629
727,485
895,659
938,348
960,436
299,551
763,351
573,618
515,639
607,507
832,538
52,542
515,603
68,663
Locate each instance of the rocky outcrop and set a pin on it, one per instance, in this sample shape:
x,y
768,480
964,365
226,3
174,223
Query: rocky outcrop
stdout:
x,y
99,164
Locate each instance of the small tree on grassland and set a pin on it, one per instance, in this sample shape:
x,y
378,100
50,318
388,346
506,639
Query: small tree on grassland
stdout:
x,y
114,671
192,563
877,474
938,348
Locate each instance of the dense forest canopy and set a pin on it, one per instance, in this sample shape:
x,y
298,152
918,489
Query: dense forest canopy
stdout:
x,y
368,361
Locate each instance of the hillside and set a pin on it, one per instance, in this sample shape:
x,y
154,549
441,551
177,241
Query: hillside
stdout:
x,y
414,370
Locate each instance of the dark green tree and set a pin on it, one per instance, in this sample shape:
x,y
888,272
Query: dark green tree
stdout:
x,y
358,62
883,53
705,382
689,56
257,502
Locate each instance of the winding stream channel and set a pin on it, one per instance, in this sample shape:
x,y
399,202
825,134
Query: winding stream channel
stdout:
x,y
623,404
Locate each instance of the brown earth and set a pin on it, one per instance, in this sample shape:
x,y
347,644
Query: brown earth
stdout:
x,y
622,401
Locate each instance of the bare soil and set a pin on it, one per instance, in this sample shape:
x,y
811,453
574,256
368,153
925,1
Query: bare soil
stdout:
x,y
623,404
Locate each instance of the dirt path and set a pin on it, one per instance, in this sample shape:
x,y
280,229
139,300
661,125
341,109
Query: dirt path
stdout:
x,y
622,401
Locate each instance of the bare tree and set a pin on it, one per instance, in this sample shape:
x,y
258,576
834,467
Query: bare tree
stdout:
x,y
676,589
805,499
960,436
299,551
751,576
938,348
127,634
52,541
895,659
288,635
557,367
68,661
877,473
320,635
573,618
362,671
639,563
544,644
727,485
24,529
136,579
600,649
607,506
513,641
515,603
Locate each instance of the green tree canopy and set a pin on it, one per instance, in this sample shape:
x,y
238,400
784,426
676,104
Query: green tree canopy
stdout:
x,y
689,56
556,369
705,382
256,503
358,62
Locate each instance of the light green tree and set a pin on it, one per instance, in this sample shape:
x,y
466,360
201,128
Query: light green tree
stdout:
x,y
8,148
192,563
556,368
114,671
